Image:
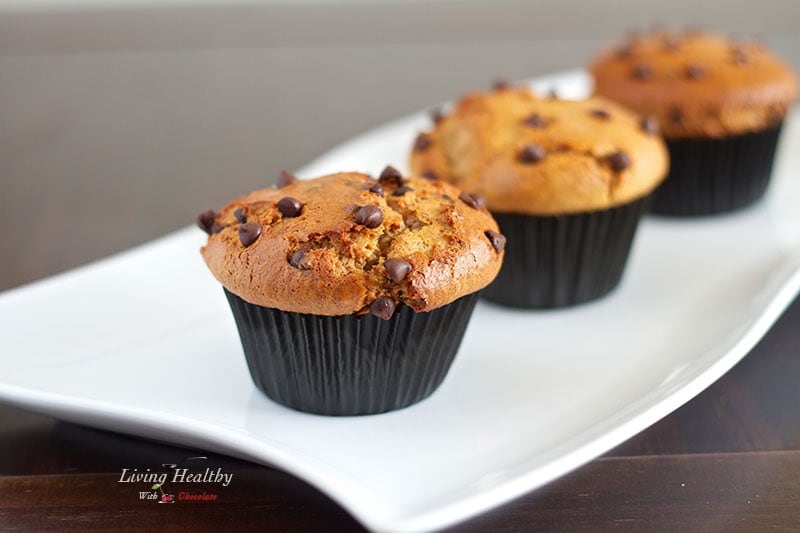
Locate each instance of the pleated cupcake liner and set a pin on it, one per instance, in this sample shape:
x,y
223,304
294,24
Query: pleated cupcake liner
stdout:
x,y
350,365
559,261
711,176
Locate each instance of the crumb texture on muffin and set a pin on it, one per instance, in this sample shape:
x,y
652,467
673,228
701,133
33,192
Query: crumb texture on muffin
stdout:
x,y
543,156
698,84
343,243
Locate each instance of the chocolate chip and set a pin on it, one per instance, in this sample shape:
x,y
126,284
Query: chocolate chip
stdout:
x,y
285,178
249,232
369,216
391,174
535,120
500,84
447,197
383,307
475,201
216,228
240,215
400,191
642,72
289,207
624,52
436,115
422,143
299,259
695,72
430,175
552,94
376,188
740,57
649,125
602,114
498,240
397,269
775,115
619,161
676,115
205,220
671,44
532,153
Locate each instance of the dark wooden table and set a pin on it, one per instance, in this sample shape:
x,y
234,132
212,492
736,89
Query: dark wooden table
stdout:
x,y
117,128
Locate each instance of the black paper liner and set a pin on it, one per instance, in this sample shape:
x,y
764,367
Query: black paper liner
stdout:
x,y
558,261
710,176
349,365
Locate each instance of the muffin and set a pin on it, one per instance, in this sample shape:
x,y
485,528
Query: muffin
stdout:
x,y
567,182
720,105
350,294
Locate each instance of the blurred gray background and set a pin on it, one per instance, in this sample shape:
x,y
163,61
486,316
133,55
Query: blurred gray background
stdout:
x,y
124,111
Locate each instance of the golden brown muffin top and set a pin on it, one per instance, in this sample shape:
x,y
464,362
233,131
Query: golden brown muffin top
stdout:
x,y
697,84
348,244
543,156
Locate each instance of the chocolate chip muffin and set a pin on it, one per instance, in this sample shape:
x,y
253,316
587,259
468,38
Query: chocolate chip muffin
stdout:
x,y
566,180
720,105
351,294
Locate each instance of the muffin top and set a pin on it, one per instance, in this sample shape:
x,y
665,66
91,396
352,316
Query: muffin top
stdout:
x,y
697,84
543,156
348,244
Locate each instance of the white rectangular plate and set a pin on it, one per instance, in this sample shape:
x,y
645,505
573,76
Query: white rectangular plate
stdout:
x,y
144,343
